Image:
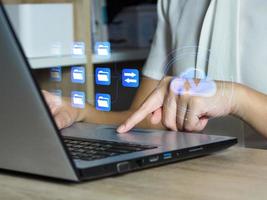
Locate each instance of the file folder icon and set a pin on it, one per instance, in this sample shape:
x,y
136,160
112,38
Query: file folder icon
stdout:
x,y
103,50
78,99
78,74
102,76
78,48
103,102
56,74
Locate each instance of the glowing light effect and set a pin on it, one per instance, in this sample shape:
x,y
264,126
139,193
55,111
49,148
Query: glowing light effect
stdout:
x,y
193,82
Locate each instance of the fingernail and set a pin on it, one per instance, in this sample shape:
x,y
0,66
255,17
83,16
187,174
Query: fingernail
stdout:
x,y
121,128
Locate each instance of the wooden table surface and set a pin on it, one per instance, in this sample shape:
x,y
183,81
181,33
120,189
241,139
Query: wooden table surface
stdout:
x,y
236,173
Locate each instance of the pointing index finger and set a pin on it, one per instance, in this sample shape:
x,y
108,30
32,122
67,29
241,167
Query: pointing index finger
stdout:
x,y
151,104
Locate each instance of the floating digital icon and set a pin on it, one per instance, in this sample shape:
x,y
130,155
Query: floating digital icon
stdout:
x,y
78,99
78,75
103,102
103,49
78,48
56,74
197,84
130,78
58,96
103,76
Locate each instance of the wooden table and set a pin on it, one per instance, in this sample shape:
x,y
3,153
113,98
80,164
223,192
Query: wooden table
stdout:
x,y
236,173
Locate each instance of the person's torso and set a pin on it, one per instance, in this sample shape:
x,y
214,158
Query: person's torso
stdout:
x,y
186,21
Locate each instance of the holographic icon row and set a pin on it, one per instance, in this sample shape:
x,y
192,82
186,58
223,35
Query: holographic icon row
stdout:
x,y
102,49
77,50
77,74
130,77
78,100
102,101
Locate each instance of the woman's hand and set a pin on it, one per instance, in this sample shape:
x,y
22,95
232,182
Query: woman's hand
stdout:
x,y
184,110
64,114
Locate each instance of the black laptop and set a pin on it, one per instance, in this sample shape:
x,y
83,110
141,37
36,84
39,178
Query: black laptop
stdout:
x,y
31,143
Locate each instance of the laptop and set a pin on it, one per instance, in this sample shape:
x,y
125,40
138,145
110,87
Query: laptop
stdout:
x,y
31,143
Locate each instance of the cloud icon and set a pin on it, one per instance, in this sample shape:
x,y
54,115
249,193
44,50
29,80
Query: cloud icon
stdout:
x,y
186,84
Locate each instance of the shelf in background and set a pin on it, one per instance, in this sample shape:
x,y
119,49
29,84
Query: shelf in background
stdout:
x,y
122,55
48,62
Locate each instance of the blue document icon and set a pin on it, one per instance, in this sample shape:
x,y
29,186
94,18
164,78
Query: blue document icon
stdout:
x,y
78,99
130,78
103,102
103,76
78,75
56,74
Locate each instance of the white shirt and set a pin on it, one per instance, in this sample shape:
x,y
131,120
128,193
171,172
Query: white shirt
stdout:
x,y
225,38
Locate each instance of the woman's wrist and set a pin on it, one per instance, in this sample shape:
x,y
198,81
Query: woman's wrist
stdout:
x,y
240,96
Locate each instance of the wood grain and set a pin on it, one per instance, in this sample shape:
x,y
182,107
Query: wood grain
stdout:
x,y
237,173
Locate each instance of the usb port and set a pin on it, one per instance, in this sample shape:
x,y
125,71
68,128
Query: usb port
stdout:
x,y
153,159
167,155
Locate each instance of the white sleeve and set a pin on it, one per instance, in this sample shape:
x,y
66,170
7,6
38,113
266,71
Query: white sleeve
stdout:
x,y
161,46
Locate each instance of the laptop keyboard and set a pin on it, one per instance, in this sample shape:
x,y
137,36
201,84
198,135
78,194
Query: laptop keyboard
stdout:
x,y
88,149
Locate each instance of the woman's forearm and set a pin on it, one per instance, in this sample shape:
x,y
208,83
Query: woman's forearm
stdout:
x,y
91,115
251,106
